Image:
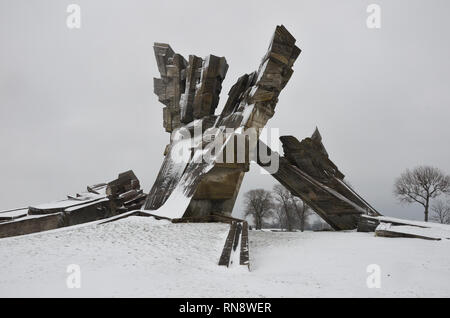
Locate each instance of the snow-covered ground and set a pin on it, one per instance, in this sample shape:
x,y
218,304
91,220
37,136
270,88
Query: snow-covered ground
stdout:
x,y
139,256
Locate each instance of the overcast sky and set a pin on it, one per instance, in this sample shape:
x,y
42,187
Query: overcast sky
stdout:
x,y
77,106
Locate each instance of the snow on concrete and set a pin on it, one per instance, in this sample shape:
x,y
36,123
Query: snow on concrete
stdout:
x,y
142,257
388,219
84,198
430,232
14,213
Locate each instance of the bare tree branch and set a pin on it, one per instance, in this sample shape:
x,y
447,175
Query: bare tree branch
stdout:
x,y
258,204
421,185
441,212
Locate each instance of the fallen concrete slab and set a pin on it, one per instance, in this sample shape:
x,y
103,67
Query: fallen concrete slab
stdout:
x,y
31,224
101,201
395,227
13,214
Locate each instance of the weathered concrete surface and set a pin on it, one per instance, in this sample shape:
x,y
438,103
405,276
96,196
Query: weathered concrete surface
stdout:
x,y
31,225
99,202
251,103
308,173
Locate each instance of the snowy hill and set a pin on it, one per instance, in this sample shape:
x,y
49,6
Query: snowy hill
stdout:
x,y
139,256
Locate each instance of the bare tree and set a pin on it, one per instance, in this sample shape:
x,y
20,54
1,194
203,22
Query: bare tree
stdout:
x,y
291,209
421,185
280,217
441,212
302,210
283,198
258,204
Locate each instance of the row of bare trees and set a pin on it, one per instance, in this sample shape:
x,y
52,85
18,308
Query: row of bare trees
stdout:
x,y
289,211
422,185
